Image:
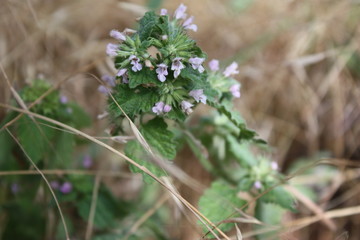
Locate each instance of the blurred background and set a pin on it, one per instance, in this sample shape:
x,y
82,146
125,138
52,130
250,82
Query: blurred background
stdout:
x,y
299,69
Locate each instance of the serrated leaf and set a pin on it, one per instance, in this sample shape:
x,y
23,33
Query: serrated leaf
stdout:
x,y
281,197
79,118
218,203
176,114
65,143
198,81
147,24
234,117
7,160
270,214
135,151
32,137
132,101
145,76
241,152
162,140
104,212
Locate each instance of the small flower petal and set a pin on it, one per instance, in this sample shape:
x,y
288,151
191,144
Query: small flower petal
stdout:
x,y
198,95
163,12
196,63
66,188
117,35
186,107
235,90
87,161
111,49
180,12
63,99
162,72
189,25
158,108
135,61
231,70
167,108
109,80
258,185
214,65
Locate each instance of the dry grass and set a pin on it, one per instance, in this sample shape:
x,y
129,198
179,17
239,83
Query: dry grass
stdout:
x,y
299,89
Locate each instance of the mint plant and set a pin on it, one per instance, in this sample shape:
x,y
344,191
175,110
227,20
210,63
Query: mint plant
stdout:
x,y
160,81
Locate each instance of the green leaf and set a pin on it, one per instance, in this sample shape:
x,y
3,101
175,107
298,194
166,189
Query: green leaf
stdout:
x,y
241,152
65,144
162,140
104,212
7,160
176,114
135,151
145,76
198,81
270,214
218,203
147,24
32,137
79,118
280,197
234,117
132,101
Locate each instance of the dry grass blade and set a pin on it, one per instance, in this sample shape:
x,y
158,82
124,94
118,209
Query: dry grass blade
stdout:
x,y
92,213
47,183
199,215
238,233
147,215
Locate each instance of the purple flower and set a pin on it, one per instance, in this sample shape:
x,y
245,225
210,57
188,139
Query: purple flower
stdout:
x,y
158,108
117,35
162,72
109,80
104,90
196,63
15,188
54,185
257,185
198,95
180,12
214,65
186,107
274,166
176,66
189,25
231,70
63,99
235,90
163,12
87,161
135,61
66,188
123,73
167,108
111,49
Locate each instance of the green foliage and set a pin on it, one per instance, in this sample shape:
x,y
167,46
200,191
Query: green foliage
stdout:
x,y
218,203
132,103
147,24
145,76
160,138
270,214
136,152
281,197
33,138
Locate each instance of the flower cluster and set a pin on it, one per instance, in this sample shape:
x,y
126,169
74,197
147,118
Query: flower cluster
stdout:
x,y
174,73
223,82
